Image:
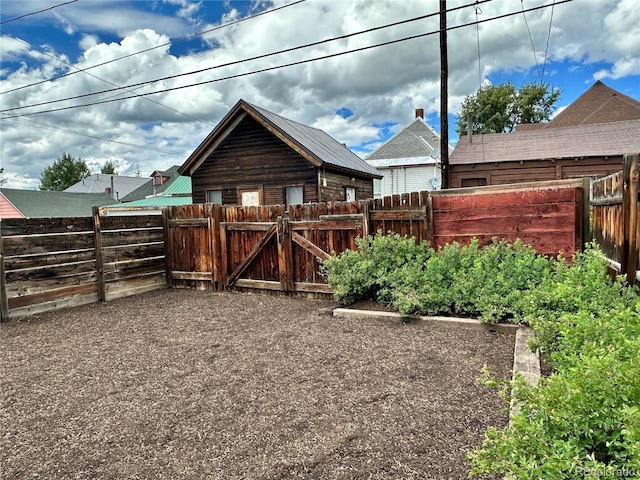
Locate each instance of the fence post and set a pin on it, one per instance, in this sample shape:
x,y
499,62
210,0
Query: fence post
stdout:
x,y
631,189
426,200
4,302
366,220
285,255
586,211
97,240
215,217
168,258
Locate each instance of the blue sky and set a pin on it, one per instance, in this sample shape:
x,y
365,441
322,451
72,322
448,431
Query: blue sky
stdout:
x,y
361,99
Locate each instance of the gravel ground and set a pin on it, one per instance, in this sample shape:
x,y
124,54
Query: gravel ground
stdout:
x,y
203,385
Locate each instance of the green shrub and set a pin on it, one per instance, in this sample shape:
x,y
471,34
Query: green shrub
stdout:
x,y
488,282
364,273
584,419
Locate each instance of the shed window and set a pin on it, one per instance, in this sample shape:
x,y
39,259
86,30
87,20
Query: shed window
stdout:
x,y
349,194
214,196
294,196
474,182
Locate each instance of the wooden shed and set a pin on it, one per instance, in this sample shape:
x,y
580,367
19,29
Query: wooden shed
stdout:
x,y
255,157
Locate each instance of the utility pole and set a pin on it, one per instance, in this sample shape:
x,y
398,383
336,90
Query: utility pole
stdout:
x,y
444,96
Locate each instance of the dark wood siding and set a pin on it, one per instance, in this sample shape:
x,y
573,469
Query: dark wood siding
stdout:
x,y
500,173
337,182
251,156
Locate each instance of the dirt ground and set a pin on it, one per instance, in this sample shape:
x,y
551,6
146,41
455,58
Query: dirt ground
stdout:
x,y
182,384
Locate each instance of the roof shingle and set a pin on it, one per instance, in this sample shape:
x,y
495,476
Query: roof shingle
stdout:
x,y
593,140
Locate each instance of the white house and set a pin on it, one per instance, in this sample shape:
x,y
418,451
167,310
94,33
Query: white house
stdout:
x,y
409,161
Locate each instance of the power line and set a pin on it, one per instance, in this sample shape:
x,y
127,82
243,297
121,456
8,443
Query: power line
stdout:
x,y
189,37
546,50
535,57
39,11
96,137
236,62
300,62
106,81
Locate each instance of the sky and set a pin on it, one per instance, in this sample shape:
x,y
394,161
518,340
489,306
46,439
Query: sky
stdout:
x,y
101,51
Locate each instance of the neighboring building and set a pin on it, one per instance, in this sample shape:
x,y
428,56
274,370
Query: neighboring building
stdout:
x,y
255,157
545,154
599,104
161,180
16,203
178,192
589,138
118,186
409,161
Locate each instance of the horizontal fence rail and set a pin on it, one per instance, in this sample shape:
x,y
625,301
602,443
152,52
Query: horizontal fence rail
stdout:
x,y
615,201
275,248
60,262
51,263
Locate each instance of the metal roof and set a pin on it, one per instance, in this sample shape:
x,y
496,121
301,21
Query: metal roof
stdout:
x,y
324,147
159,201
100,182
46,203
180,186
313,144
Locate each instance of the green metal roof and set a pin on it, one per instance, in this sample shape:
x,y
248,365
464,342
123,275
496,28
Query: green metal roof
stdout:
x,y
180,186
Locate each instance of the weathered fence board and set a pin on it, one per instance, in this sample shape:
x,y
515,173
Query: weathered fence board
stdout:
x,y
550,216
615,201
50,263
270,247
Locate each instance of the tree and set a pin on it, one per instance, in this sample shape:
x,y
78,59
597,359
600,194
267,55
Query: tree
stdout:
x,y
2,180
63,173
109,168
500,108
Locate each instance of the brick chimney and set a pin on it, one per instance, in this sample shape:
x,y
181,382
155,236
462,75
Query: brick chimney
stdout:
x,y
420,113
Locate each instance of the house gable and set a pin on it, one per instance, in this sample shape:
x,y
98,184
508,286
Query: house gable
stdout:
x,y
248,156
256,153
599,104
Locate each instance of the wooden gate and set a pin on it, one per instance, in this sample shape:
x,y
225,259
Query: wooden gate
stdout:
x,y
260,247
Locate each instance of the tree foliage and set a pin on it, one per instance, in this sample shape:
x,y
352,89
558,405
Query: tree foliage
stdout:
x,y
500,108
2,179
63,173
109,168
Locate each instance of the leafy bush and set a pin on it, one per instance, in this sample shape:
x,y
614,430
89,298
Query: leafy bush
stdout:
x,y
364,273
584,419
488,282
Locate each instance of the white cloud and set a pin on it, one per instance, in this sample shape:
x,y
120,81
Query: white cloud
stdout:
x,y
381,86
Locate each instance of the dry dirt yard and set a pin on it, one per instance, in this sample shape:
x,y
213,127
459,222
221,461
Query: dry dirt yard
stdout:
x,y
182,384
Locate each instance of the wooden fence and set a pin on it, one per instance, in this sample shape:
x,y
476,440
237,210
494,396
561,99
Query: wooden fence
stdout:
x,y
615,200
59,262
272,248
50,263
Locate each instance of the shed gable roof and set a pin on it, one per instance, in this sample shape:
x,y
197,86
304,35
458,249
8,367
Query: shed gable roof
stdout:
x,y
592,140
313,144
